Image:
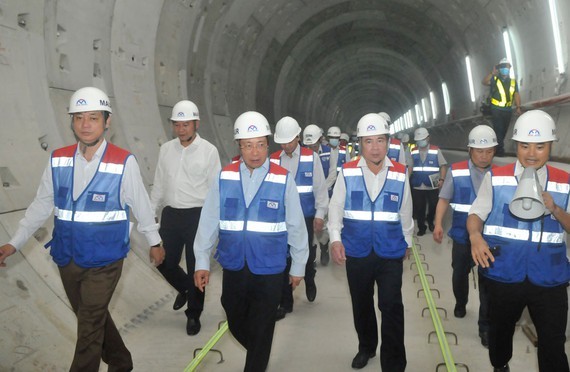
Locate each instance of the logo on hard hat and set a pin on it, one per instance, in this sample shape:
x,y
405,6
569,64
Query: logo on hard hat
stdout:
x,y
252,128
102,102
483,141
180,114
534,133
371,127
81,102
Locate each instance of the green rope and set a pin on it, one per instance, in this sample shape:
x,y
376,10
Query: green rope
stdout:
x,y
198,358
444,346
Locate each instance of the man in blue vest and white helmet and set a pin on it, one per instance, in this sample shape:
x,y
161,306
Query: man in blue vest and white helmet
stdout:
x,y
312,135
523,258
91,185
253,208
428,172
371,227
303,164
458,191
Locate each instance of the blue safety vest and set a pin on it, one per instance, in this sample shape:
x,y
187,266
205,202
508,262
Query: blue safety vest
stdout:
x,y
341,158
521,256
463,196
303,179
256,234
94,229
394,149
422,170
325,156
373,225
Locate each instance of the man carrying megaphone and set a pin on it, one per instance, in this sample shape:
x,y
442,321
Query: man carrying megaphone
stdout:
x,y
523,257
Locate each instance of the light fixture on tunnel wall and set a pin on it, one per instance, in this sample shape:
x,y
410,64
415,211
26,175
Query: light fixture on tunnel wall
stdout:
x,y
433,103
470,78
508,53
446,101
419,117
424,110
557,39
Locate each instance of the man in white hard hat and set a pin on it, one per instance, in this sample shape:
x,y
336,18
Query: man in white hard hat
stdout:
x,y
305,166
91,185
504,92
523,258
458,191
428,172
312,136
187,166
253,208
371,227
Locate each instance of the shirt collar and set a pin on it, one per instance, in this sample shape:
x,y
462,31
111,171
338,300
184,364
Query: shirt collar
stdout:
x,y
264,167
295,152
519,169
98,154
194,143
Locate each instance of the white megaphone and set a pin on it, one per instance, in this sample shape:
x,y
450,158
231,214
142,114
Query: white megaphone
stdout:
x,y
527,202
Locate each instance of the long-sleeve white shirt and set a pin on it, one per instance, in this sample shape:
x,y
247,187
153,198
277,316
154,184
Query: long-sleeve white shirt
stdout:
x,y
319,186
184,174
133,194
374,184
209,226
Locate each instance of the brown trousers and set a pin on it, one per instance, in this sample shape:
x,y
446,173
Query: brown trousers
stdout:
x,y
89,291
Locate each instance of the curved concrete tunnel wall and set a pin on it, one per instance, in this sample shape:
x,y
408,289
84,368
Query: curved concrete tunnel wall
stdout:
x,y
327,62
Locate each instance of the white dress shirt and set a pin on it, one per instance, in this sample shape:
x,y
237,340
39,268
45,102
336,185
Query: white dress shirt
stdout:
x,y
184,174
374,184
133,194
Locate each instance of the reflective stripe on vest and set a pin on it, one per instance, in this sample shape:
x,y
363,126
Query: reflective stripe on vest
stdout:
x,y
82,216
505,101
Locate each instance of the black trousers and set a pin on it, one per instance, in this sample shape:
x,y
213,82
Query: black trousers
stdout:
x,y
501,120
462,263
178,229
419,200
250,302
548,309
89,291
362,273
310,270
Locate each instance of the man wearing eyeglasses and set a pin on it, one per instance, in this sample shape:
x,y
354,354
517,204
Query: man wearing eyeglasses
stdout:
x,y
254,210
503,92
186,167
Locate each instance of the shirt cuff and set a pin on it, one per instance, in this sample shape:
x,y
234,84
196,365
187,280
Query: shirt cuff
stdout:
x,y
297,269
334,236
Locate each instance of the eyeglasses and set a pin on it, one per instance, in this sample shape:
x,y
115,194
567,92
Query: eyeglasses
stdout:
x,y
251,146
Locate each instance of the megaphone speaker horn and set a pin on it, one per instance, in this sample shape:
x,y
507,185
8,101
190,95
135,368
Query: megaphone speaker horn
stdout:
x,y
527,202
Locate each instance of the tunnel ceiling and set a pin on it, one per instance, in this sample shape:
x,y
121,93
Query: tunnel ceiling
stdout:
x,y
331,64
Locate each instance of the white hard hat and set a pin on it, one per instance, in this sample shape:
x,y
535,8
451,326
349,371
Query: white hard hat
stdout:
x,y
405,138
89,99
372,125
286,130
420,134
251,124
311,134
385,116
482,137
505,61
344,136
333,132
185,111
534,126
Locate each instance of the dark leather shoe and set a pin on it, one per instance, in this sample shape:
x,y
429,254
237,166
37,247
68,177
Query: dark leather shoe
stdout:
x,y
180,300
361,359
431,227
193,326
484,336
281,312
502,369
325,257
459,311
310,289
421,233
